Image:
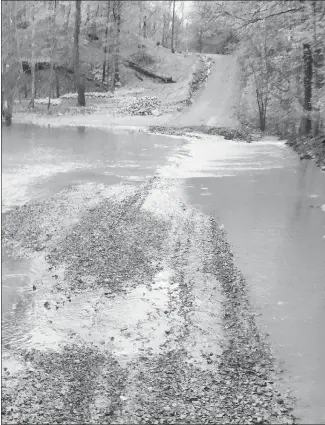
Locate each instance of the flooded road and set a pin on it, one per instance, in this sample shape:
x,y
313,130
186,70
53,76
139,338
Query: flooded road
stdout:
x,y
270,203
39,163
272,207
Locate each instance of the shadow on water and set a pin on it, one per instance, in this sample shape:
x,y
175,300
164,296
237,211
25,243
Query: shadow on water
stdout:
x,y
276,226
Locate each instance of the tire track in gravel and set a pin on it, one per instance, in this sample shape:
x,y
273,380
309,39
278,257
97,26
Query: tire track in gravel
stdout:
x,y
176,384
158,328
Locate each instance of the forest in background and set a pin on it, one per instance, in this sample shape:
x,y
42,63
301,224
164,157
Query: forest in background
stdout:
x,y
53,47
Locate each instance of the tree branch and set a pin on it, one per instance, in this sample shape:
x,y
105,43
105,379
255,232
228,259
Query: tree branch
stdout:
x,y
272,15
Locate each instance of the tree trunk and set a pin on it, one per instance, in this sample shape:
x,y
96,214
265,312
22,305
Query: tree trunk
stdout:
x,y
200,41
105,63
105,53
118,32
163,40
140,18
173,29
145,26
57,84
79,80
308,74
117,27
111,40
7,107
32,101
68,19
87,14
148,73
52,53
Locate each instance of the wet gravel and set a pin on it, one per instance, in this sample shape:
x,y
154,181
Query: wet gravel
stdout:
x,y
212,363
62,387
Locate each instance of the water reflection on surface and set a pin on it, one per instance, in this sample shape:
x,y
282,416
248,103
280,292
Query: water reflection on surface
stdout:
x,y
40,161
271,204
275,222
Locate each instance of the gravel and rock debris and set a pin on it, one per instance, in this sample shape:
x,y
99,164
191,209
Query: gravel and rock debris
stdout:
x,y
227,133
145,105
199,76
181,345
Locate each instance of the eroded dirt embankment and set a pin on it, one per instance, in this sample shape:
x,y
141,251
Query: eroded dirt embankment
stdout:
x,y
139,315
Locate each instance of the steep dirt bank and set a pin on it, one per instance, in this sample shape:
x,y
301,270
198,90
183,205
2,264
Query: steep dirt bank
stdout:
x,y
142,316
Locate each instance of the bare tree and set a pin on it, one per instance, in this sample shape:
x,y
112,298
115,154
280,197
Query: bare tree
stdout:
x,y
115,73
32,100
52,53
173,28
308,73
164,29
105,63
79,80
117,50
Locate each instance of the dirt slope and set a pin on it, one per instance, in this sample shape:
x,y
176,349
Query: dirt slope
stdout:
x,y
215,103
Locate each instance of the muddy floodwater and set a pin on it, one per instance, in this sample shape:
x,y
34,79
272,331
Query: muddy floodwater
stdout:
x,y
273,208
271,204
39,162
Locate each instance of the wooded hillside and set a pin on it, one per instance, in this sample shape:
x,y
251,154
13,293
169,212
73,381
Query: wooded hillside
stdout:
x,y
47,51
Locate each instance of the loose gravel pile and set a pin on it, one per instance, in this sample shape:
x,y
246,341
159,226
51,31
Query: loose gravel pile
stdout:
x,y
146,105
199,77
59,387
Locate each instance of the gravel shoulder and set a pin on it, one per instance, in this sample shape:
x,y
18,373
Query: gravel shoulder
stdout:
x,y
142,316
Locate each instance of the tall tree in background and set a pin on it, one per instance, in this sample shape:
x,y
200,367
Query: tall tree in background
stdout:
x,y
77,69
165,26
53,15
117,45
105,63
173,28
308,74
115,67
8,83
33,64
